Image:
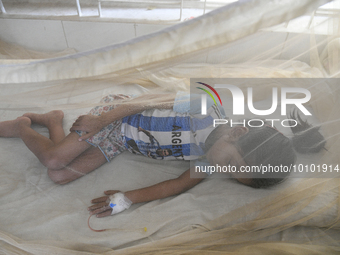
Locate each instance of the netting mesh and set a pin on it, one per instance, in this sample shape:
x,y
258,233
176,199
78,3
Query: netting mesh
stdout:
x,y
237,41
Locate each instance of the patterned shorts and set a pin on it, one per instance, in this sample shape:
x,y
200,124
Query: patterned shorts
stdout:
x,y
109,140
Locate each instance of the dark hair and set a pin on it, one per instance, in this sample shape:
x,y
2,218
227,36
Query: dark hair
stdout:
x,y
307,139
263,146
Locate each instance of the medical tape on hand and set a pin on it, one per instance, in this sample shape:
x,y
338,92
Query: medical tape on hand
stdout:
x,y
119,202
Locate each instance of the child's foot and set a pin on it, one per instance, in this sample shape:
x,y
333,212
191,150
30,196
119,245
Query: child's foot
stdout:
x,y
11,128
47,119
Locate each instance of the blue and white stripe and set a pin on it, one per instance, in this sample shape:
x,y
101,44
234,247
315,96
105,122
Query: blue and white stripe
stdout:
x,y
182,133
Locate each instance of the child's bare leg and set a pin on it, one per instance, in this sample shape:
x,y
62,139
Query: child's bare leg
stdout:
x,y
53,121
86,162
11,128
53,156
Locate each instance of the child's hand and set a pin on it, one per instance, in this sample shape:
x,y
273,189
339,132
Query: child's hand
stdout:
x,y
101,204
87,123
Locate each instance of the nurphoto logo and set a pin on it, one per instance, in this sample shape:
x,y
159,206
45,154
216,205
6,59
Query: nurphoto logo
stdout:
x,y
239,103
204,97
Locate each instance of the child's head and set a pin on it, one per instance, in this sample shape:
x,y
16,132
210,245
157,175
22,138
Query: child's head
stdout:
x,y
265,146
261,146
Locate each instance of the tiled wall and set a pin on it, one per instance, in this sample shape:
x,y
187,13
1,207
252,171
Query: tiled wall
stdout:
x,y
55,35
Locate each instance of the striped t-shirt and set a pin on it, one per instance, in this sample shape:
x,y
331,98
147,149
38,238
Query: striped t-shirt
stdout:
x,y
177,134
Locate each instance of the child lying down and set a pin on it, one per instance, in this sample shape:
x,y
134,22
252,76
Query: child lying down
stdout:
x,y
160,127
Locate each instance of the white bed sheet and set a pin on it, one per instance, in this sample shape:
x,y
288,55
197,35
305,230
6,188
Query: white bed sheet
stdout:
x,y
35,211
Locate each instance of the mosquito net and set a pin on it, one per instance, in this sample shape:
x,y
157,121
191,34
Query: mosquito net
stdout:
x,y
241,41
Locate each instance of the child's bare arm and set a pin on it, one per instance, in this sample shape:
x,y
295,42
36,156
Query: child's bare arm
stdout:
x,y
161,190
93,124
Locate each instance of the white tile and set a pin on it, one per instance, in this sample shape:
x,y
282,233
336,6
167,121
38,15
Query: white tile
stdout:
x,y
84,36
42,35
